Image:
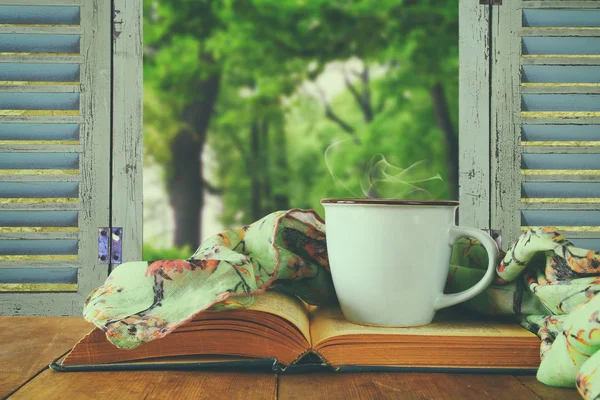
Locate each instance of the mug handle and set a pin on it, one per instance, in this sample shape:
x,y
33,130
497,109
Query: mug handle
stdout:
x,y
457,232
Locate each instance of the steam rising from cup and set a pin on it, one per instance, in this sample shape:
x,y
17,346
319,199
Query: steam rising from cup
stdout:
x,y
381,179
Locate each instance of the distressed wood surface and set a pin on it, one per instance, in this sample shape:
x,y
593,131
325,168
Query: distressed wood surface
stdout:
x,y
40,206
564,89
29,344
95,137
59,88
39,178
547,392
37,58
557,3
505,122
150,385
47,338
560,60
474,115
93,173
402,386
127,181
40,264
40,29
42,2
562,32
47,148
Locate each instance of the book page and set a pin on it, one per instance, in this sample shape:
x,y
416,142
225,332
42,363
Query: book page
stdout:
x,y
287,307
330,322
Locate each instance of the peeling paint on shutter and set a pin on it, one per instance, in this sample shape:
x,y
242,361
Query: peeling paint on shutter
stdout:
x,y
546,119
54,152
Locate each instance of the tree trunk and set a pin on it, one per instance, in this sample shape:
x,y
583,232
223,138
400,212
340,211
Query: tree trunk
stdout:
x,y
185,189
255,172
185,183
281,200
444,122
266,168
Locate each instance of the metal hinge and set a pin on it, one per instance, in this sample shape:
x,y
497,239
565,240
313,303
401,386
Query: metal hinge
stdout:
x,y
496,234
109,251
490,2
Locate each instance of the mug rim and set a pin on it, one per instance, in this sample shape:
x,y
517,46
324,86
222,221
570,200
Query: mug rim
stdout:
x,y
392,202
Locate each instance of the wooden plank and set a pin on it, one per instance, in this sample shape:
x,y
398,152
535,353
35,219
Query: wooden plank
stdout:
x,y
547,392
40,178
127,210
29,344
41,2
150,385
560,31
560,59
560,88
44,304
474,115
38,235
561,121
39,264
402,386
576,232
69,87
505,106
40,206
42,148
560,178
37,287
561,150
557,4
38,58
95,133
40,119
560,206
40,29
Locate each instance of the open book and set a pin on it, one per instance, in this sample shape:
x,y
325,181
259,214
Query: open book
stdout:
x,y
282,331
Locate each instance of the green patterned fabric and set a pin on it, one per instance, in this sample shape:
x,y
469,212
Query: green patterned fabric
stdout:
x,y
551,286
143,301
543,280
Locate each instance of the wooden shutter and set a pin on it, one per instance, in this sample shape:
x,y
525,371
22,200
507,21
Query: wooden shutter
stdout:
x,y
545,119
55,76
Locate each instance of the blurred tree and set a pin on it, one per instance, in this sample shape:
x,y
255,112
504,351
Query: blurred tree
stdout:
x,y
239,68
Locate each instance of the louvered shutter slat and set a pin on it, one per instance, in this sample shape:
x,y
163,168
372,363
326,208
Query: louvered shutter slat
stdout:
x,y
54,152
553,162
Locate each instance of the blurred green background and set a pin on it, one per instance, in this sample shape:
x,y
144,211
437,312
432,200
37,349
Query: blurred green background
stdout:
x,y
242,98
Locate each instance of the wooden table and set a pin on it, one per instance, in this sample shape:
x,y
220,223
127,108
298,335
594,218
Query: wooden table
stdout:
x,y
29,344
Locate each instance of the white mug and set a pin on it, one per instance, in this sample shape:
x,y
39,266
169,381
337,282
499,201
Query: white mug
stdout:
x,y
389,259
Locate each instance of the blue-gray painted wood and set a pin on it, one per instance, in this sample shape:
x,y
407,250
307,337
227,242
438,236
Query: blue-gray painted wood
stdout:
x,y
37,247
39,101
38,275
39,189
561,18
561,161
560,132
560,189
39,131
560,102
39,72
560,218
39,218
39,43
39,161
588,244
561,45
561,74
39,15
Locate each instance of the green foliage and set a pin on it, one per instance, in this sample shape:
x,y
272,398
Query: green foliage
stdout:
x,y
270,137
152,253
